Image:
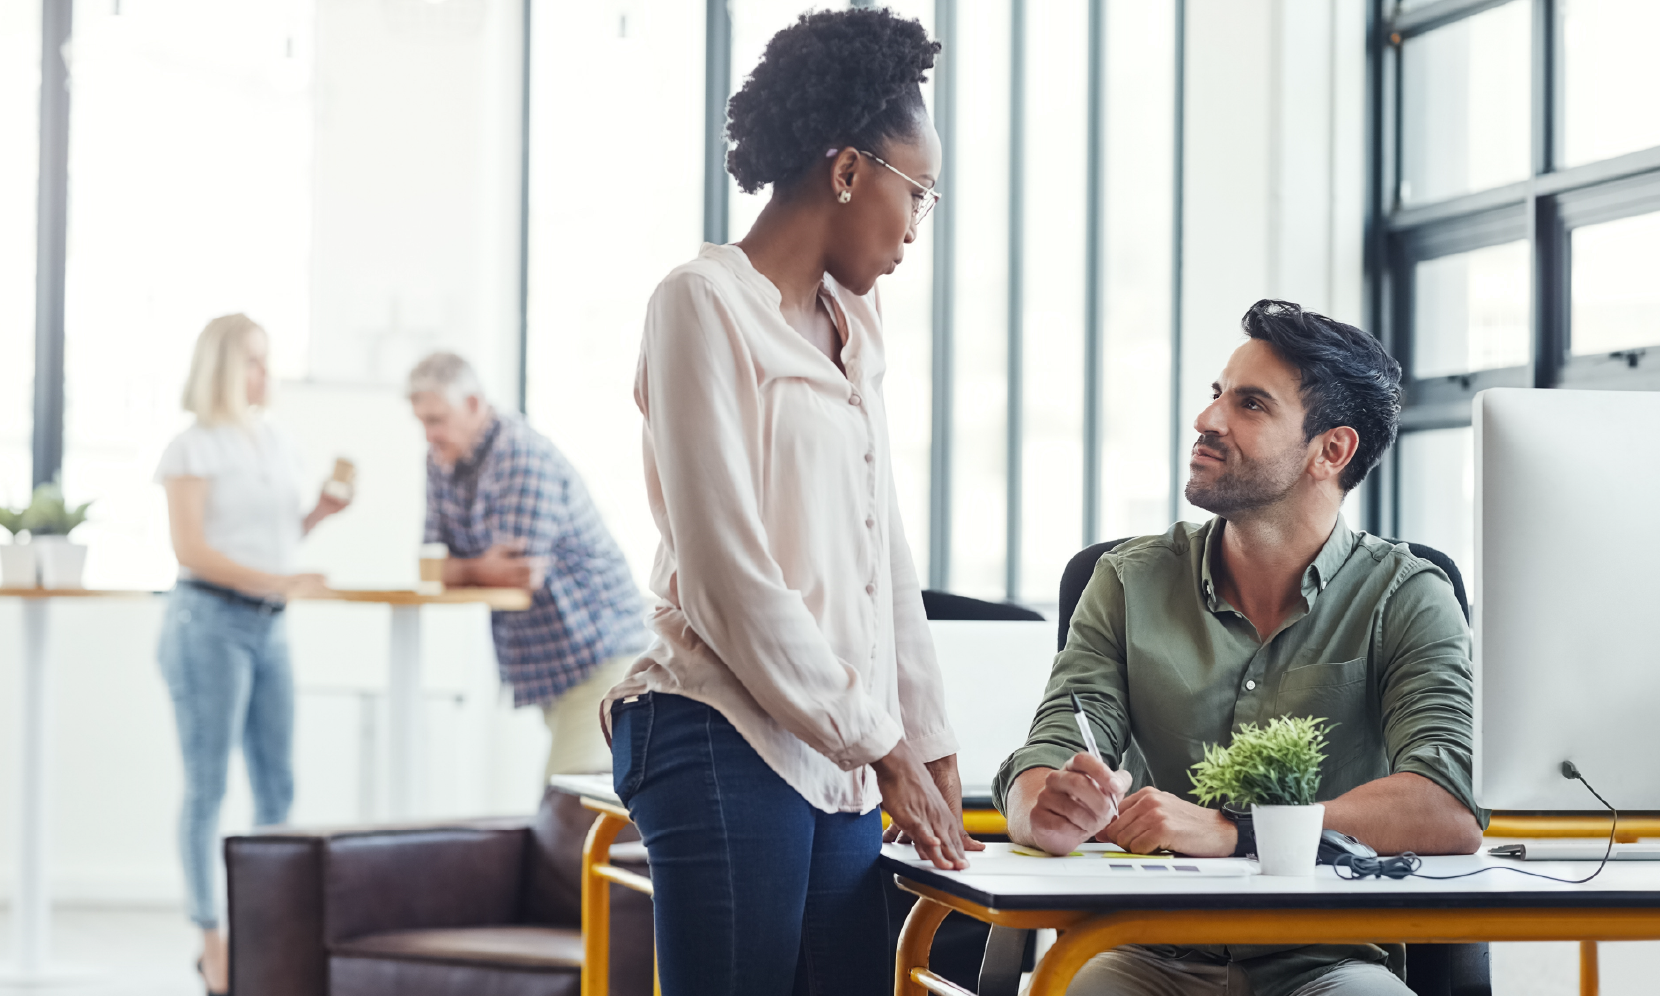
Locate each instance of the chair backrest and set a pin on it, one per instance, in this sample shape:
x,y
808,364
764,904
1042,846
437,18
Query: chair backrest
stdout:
x,y
1082,565
1447,566
944,605
1074,579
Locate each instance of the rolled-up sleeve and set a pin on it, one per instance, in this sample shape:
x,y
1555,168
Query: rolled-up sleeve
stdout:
x,y
1428,693
921,687
703,413
1092,665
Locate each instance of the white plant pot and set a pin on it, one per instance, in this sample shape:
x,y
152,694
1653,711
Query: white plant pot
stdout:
x,y
61,562
17,566
1288,838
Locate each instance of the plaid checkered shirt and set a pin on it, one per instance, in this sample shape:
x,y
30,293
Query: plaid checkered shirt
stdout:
x,y
516,484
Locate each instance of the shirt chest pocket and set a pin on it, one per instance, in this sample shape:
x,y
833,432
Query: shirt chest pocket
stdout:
x,y
1336,692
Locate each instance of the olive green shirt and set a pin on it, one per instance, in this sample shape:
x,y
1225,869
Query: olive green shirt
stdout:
x,y
1381,651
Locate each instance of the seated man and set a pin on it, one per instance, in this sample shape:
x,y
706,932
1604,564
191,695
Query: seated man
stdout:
x,y
1272,608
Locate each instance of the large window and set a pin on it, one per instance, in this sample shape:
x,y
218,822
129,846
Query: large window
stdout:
x,y
190,167
1517,194
19,158
1028,340
615,182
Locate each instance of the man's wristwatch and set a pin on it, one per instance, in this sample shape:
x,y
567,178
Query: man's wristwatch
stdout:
x,y
1241,819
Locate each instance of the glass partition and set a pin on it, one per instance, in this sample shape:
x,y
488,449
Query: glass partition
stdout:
x,y
1465,102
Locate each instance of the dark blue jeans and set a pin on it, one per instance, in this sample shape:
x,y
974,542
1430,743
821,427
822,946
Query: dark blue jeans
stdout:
x,y
755,891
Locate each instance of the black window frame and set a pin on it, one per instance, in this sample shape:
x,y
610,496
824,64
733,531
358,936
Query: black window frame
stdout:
x,y
1544,209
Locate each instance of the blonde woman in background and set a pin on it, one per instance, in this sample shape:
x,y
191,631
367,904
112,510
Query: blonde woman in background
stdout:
x,y
233,502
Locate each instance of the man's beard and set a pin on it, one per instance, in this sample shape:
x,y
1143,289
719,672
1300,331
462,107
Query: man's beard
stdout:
x,y
1246,485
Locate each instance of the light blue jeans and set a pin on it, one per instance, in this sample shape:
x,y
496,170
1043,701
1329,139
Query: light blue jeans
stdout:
x,y
226,665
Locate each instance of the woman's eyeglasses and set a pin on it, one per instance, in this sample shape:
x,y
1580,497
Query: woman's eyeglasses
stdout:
x,y
920,205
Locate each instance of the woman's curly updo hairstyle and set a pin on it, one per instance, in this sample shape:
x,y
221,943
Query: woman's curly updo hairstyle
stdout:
x,y
831,79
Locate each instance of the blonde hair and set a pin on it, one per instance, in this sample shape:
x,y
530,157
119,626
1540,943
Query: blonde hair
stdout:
x,y
217,389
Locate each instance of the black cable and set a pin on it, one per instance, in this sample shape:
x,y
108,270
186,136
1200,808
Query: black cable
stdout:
x,y
1407,864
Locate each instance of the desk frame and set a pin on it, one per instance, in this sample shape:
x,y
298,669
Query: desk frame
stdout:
x,y
1083,934
597,875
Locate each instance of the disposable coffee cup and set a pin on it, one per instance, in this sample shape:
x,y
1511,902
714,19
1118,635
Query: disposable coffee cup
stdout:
x,y
342,484
433,556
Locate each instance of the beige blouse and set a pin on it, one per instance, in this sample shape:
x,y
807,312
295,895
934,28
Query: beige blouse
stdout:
x,y
787,597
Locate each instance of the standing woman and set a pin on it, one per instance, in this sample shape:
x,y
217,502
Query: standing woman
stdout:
x,y
233,502
792,686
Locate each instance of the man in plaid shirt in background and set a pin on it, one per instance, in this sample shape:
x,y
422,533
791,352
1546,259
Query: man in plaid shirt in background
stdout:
x,y
514,514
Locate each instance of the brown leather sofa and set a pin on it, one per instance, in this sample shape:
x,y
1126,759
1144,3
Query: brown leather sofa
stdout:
x,y
470,908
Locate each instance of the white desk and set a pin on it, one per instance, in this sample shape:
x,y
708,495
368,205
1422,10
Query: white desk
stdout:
x,y
1095,912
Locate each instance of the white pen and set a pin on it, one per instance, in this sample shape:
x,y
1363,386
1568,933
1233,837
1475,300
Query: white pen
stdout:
x,y
1094,751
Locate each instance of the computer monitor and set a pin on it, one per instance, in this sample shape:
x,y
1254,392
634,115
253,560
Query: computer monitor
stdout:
x,y
1567,609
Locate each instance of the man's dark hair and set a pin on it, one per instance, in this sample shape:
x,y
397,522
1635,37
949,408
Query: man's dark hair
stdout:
x,y
1346,378
830,80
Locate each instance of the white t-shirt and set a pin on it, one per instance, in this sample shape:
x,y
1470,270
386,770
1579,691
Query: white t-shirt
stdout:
x,y
253,501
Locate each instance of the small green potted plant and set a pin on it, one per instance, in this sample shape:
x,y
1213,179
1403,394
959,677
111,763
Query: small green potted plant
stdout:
x,y
17,559
49,522
1275,770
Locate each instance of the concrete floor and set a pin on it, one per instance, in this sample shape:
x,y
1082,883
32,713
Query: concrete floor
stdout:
x,y
122,952
152,952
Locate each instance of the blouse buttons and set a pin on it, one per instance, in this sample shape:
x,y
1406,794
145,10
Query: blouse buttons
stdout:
x,y
870,589
870,523
870,458
1250,686
853,400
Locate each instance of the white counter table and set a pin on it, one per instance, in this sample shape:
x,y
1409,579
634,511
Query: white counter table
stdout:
x,y
31,906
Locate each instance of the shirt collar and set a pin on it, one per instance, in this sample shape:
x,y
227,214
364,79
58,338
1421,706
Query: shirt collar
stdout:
x,y
733,257
469,464
1331,558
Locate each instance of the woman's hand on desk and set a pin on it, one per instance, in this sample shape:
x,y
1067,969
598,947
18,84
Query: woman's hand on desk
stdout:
x,y
913,800
300,585
944,773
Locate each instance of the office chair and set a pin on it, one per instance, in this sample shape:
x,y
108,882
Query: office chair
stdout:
x,y
1431,969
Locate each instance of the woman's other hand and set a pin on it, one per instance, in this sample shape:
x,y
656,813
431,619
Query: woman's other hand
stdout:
x,y
913,801
302,586
944,772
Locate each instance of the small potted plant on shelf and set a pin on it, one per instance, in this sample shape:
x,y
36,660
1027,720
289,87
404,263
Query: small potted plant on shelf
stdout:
x,y
17,559
49,522
1275,770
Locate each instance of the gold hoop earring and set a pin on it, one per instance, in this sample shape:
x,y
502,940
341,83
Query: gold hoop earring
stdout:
x,y
844,196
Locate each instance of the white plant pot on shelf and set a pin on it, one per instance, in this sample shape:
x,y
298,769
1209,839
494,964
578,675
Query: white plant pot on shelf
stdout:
x,y
1288,838
18,568
62,563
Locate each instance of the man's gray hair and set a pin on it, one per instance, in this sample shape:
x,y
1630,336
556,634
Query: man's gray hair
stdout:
x,y
446,374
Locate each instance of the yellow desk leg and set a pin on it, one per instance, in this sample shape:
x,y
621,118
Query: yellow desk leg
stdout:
x,y
596,901
915,940
1588,981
